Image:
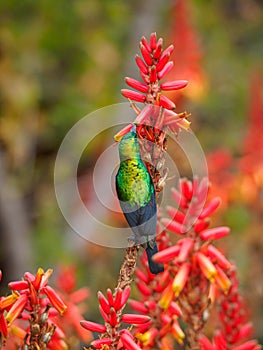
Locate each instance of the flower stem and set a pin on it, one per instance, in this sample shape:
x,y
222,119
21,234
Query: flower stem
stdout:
x,y
128,267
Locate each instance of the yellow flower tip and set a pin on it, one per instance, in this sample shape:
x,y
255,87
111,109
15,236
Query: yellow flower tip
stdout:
x,y
177,333
184,124
181,278
144,337
118,137
122,132
40,271
18,332
211,279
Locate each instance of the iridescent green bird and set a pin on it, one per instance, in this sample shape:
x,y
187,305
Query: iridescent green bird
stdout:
x,y
137,198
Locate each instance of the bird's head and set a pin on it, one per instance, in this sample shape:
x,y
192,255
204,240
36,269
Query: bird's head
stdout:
x,y
129,146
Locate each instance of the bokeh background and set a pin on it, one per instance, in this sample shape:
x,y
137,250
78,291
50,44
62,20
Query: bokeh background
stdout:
x,y
60,60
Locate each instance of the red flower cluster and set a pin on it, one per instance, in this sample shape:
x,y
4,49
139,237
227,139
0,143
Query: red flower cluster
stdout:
x,y
154,66
33,302
111,310
191,268
157,302
195,251
235,331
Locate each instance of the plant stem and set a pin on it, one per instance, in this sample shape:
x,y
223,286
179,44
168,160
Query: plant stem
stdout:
x,y
128,267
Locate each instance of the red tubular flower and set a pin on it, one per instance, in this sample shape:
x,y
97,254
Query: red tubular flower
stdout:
x,y
206,266
138,306
3,326
167,297
167,254
18,285
143,288
186,246
181,278
249,345
101,343
136,84
174,85
134,319
8,301
165,102
174,226
16,308
103,303
93,327
205,343
128,342
210,208
215,254
133,95
55,299
215,233
177,332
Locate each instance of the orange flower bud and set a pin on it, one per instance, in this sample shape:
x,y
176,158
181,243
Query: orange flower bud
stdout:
x,y
181,278
222,280
16,308
45,278
177,333
18,332
38,278
55,299
148,338
206,266
167,297
5,302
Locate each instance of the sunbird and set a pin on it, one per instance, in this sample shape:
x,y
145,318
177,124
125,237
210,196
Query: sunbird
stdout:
x,y
136,193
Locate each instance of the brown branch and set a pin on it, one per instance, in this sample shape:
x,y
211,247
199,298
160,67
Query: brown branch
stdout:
x,y
128,267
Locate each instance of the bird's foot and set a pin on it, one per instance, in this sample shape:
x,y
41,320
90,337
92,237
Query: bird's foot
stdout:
x,y
131,241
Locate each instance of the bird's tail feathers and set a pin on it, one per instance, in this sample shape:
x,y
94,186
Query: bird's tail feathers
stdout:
x,y
154,267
